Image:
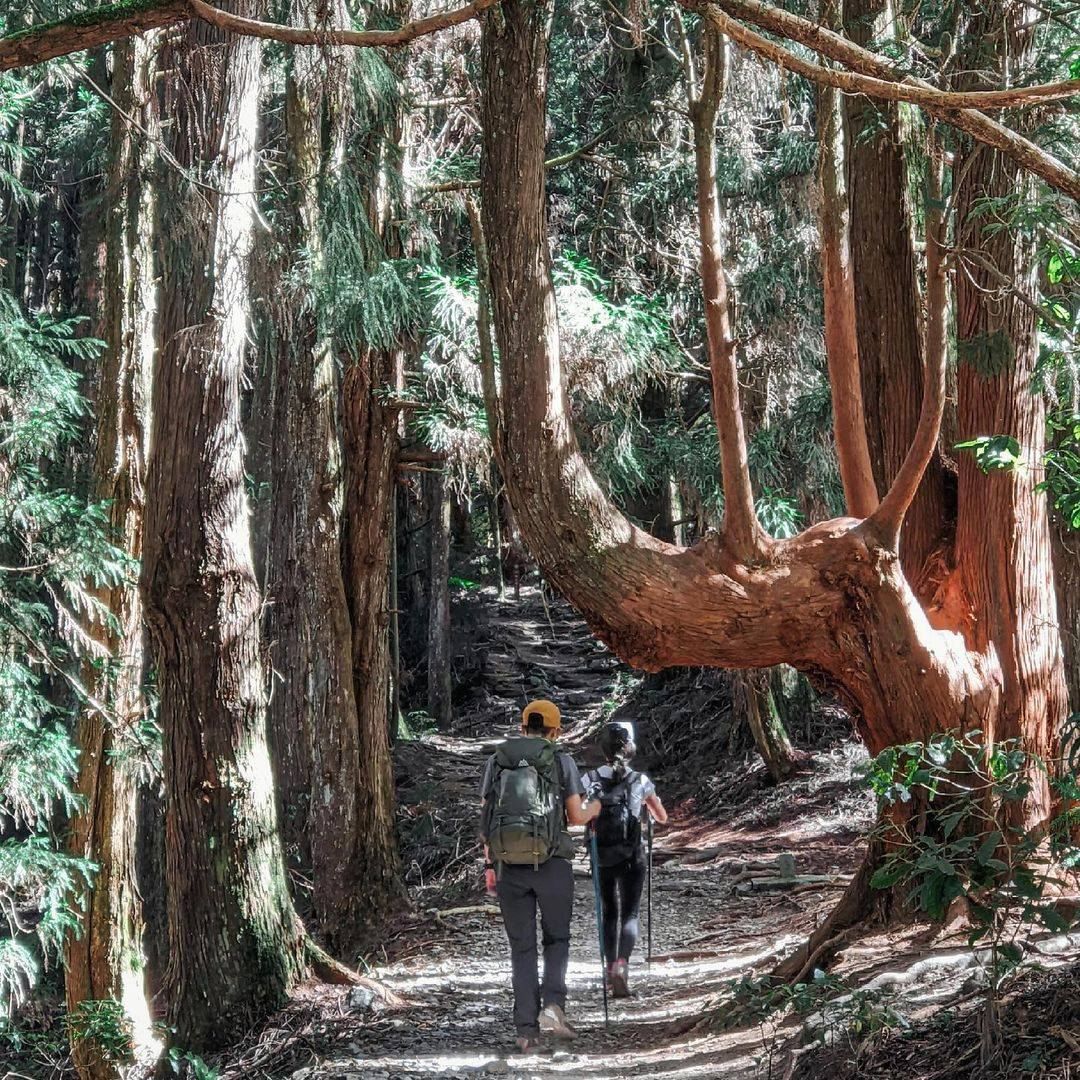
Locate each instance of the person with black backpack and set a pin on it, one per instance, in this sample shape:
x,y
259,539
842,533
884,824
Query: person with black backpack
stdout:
x,y
531,792
624,796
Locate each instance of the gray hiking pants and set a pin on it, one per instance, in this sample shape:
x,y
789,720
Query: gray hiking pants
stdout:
x,y
521,889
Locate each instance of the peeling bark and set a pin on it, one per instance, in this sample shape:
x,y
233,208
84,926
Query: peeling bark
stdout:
x,y
887,302
1004,576
314,720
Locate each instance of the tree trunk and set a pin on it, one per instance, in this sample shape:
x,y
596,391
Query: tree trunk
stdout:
x,y
371,456
438,652
371,437
838,289
235,943
1004,574
105,963
887,305
314,721
1065,543
753,699
495,528
834,601
415,550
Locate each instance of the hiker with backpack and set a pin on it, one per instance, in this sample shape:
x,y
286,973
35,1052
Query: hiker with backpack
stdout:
x,y
531,793
624,796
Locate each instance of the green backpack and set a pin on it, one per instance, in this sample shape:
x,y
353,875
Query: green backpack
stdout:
x,y
525,818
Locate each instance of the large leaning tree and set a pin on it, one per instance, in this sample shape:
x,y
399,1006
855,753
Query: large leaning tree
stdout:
x,y
982,649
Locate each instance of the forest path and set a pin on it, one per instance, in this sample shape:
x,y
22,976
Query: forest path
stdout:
x,y
453,969
538,646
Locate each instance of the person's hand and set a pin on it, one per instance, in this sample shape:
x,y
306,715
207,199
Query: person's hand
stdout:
x,y
489,881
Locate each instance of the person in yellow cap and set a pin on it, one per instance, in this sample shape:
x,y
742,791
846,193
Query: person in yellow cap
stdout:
x,y
531,792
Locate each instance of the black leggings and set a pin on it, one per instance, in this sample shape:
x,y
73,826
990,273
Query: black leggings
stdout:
x,y
620,895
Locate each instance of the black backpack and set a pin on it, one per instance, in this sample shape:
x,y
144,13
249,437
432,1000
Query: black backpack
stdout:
x,y
618,828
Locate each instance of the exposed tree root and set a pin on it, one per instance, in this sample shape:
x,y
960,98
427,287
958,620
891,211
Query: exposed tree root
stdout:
x,y
856,906
331,971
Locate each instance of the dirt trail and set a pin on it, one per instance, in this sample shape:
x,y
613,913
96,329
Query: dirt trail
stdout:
x,y
455,973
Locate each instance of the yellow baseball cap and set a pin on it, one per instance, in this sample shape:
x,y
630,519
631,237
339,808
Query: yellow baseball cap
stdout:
x,y
547,709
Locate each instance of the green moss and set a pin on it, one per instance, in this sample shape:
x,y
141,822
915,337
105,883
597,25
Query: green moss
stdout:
x,y
989,354
118,12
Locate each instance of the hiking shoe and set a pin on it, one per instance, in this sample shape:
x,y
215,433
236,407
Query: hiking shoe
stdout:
x,y
553,1022
620,979
527,1044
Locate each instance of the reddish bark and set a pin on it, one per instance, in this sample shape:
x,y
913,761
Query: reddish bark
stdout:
x,y
841,332
1003,590
887,304
740,526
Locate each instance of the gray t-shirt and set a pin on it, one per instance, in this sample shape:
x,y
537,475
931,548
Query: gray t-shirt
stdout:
x,y
569,778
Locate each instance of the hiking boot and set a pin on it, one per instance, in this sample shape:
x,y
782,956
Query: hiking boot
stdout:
x,y
620,979
553,1022
527,1044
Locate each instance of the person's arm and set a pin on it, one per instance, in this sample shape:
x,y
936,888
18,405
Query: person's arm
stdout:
x,y
580,811
656,808
485,798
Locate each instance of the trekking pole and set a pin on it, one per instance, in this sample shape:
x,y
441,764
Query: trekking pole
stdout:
x,y
648,950
594,858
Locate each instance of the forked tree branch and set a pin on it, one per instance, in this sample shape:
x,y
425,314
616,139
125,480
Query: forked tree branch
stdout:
x,y
836,47
886,521
88,29
838,287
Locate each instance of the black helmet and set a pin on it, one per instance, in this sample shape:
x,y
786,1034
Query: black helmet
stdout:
x,y
617,741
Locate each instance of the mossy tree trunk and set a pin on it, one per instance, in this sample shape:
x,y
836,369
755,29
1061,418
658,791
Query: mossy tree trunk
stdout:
x,y
314,722
754,702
